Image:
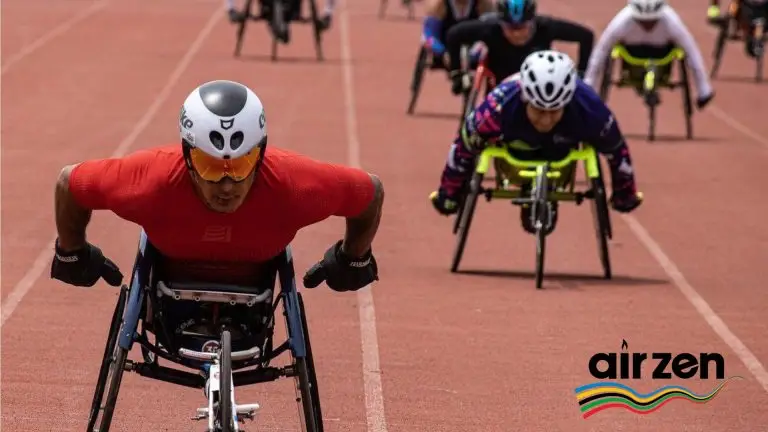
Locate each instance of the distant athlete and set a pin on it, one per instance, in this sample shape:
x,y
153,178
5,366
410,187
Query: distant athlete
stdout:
x,y
442,15
512,37
649,29
744,12
551,111
292,12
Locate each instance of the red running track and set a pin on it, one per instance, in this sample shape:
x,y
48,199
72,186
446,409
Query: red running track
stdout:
x,y
482,351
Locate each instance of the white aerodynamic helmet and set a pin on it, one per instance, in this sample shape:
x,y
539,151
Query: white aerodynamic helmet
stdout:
x,y
646,10
548,79
223,130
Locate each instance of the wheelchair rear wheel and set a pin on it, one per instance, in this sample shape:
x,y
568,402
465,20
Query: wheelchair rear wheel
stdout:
x,y
241,27
418,77
111,371
687,103
306,381
468,210
722,37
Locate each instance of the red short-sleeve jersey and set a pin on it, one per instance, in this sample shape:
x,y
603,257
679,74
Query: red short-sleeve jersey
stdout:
x,y
153,189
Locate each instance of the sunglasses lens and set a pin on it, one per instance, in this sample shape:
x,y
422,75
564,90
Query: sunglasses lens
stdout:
x,y
212,169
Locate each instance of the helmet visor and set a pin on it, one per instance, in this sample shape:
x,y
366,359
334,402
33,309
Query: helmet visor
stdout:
x,y
213,169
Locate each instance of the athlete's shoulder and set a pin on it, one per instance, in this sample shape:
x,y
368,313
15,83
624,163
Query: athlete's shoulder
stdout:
x,y
588,105
507,93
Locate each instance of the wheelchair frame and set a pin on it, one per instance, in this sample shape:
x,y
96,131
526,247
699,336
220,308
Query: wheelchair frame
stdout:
x,y
277,18
144,294
540,172
650,83
724,35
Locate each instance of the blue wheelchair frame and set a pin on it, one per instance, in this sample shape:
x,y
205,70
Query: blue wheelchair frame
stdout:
x,y
132,303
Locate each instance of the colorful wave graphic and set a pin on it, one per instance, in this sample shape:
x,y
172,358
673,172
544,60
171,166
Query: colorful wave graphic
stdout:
x,y
601,396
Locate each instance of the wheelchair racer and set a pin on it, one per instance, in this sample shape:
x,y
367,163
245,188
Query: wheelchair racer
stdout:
x,y
219,199
649,29
293,12
552,111
509,39
743,12
442,15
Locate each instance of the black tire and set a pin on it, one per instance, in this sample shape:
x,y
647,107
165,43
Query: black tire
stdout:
x,y
306,381
241,27
687,102
606,224
722,36
278,23
652,122
457,218
470,201
317,33
109,350
418,77
760,58
542,215
225,416
602,223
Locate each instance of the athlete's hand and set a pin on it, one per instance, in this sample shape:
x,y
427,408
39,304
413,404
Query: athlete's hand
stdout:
x,y
443,203
625,201
342,272
84,267
457,81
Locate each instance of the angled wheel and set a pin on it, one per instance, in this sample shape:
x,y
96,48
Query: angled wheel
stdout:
x,y
722,36
317,33
226,415
602,221
110,373
687,103
418,76
241,27
278,24
306,381
468,211
760,57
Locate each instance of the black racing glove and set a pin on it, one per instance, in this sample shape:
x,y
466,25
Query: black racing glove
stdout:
x,y
342,272
84,267
457,82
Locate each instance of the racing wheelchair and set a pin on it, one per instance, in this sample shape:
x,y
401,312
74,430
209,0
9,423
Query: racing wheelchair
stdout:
x,y
425,60
540,185
223,331
646,76
728,26
278,14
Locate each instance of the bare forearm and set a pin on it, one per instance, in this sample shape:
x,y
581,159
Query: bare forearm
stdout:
x,y
71,218
362,229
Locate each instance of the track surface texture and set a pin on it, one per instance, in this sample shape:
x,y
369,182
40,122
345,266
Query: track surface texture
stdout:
x,y
478,351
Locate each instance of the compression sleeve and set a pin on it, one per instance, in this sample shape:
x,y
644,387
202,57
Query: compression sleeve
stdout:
x,y
568,31
318,190
432,30
683,38
481,128
465,33
612,33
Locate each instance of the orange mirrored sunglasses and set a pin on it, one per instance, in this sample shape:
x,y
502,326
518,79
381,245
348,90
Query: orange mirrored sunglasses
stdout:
x,y
212,169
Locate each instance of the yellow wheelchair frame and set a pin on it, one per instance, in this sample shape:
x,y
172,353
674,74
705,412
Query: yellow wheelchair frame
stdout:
x,y
650,83
540,173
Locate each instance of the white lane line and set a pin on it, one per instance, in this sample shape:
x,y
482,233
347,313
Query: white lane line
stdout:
x,y
374,395
53,34
43,259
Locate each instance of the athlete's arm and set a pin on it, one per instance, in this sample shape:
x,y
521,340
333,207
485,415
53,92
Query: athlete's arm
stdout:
x,y
464,33
612,33
682,37
361,229
568,31
433,26
71,217
480,129
120,185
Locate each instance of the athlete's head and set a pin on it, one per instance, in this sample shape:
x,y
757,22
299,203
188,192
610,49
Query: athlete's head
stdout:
x,y
224,136
516,18
548,82
646,12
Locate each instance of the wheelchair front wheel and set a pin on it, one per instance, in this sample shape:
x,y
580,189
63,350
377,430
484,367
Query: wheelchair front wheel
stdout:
x,y
687,103
467,212
543,217
111,370
226,415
